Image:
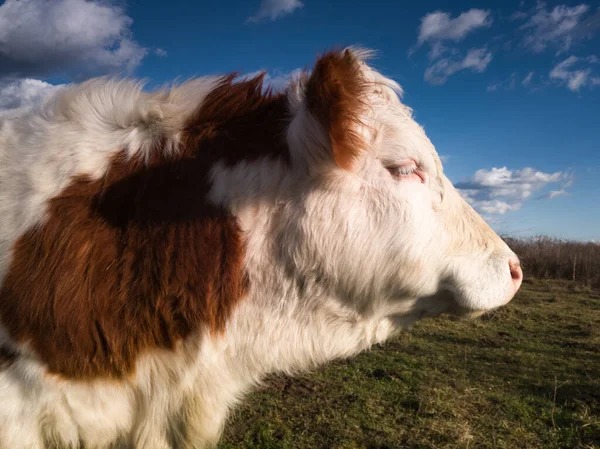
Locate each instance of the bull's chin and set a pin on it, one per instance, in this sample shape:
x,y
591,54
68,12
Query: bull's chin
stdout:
x,y
469,314
443,302
456,308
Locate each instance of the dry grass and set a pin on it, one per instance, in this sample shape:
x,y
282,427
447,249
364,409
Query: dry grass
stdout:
x,y
548,258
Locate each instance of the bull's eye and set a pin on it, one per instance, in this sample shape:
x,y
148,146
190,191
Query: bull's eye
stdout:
x,y
406,170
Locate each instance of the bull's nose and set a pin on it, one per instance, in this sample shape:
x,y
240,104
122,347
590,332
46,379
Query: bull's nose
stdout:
x,y
516,273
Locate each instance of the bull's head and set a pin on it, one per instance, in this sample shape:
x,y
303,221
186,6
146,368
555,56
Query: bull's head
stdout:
x,y
377,219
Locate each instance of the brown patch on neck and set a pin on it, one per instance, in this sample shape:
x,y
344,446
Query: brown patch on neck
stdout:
x,y
139,259
335,95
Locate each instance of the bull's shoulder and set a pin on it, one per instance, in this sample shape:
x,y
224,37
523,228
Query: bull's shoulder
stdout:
x,y
130,254
135,260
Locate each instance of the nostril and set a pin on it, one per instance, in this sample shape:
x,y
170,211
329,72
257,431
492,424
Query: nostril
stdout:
x,y
516,272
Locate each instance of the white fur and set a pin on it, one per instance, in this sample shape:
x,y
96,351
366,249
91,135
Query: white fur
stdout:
x,y
75,133
337,261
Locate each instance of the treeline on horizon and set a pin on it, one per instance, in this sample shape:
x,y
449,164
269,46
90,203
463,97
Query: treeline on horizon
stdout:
x,y
550,258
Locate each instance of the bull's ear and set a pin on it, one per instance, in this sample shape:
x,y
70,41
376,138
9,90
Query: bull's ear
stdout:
x,y
335,97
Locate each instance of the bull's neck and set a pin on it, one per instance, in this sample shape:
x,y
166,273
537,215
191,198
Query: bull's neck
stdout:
x,y
285,324
277,330
248,189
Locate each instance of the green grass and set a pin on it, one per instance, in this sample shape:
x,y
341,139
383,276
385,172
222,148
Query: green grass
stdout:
x,y
525,376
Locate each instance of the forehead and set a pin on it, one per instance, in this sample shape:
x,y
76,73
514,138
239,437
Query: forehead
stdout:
x,y
396,133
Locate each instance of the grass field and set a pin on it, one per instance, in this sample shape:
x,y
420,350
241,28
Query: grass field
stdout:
x,y
526,376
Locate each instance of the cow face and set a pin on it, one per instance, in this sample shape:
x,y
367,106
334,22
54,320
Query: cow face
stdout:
x,y
378,220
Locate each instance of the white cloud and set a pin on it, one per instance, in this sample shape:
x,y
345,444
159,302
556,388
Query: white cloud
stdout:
x,y
508,84
65,37
277,80
274,9
559,27
555,193
518,15
160,52
491,220
438,49
501,190
251,75
438,26
20,93
527,80
493,87
497,207
575,78
476,60
62,38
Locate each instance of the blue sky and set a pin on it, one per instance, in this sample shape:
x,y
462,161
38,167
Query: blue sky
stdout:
x,y
508,94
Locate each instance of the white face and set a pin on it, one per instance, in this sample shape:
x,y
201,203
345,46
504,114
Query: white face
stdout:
x,y
394,234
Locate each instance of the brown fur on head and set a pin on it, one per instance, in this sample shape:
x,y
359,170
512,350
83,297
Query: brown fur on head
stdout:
x,y
334,95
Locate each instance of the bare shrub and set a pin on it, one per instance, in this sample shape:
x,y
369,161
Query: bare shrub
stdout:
x,y
549,258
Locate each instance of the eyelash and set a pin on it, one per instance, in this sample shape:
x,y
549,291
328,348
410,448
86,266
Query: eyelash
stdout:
x,y
401,170
404,170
